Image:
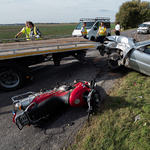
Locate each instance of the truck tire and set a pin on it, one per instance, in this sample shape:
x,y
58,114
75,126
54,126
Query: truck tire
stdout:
x,y
10,79
113,60
92,38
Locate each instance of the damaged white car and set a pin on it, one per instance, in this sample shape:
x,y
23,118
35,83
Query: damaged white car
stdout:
x,y
125,51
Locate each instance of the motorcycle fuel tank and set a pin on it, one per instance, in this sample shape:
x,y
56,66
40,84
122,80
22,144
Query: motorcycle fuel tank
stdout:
x,y
76,96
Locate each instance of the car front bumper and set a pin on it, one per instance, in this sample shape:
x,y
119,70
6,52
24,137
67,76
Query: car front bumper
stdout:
x,y
141,31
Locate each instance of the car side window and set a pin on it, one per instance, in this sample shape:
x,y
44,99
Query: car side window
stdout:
x,y
97,25
147,49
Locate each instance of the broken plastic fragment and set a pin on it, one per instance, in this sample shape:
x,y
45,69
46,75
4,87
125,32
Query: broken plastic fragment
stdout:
x,y
137,118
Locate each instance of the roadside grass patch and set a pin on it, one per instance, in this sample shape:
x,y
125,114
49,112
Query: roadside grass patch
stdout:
x,y
115,126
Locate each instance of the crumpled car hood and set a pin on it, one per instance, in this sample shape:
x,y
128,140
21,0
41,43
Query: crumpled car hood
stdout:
x,y
121,39
123,43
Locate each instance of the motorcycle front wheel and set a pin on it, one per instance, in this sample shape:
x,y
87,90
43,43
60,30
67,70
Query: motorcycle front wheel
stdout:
x,y
96,98
95,101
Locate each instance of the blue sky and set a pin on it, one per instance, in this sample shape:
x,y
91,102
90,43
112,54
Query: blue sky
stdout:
x,y
60,11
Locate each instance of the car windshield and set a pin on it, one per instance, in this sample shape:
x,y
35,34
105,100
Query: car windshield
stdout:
x,y
142,43
88,25
144,25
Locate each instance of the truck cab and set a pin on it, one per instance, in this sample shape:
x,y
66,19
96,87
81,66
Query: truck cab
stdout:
x,y
92,26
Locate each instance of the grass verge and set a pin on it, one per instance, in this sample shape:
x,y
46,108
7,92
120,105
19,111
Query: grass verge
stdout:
x,y
115,126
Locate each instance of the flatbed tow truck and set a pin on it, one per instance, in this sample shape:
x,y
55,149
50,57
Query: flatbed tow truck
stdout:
x,y
16,57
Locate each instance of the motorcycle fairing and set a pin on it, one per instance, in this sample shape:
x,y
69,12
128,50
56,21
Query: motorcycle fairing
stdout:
x,y
76,97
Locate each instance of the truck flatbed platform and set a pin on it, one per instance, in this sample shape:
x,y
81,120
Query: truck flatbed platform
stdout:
x,y
38,47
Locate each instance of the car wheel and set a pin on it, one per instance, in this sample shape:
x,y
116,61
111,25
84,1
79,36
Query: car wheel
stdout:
x,y
10,79
113,60
147,31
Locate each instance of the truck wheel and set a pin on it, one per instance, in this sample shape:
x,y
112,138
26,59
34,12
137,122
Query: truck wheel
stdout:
x,y
10,79
113,60
92,38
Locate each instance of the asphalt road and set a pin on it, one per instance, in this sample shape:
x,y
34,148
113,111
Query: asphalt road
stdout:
x,y
59,129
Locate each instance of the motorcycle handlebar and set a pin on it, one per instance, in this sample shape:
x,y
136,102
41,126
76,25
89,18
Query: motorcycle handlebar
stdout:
x,y
93,84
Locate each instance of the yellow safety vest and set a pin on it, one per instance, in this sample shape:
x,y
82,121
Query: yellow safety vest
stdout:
x,y
85,31
27,32
102,31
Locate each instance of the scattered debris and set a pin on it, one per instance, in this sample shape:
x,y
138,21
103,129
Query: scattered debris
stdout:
x,y
137,118
112,74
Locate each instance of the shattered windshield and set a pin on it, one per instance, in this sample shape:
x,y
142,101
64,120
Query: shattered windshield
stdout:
x,y
142,43
144,25
88,25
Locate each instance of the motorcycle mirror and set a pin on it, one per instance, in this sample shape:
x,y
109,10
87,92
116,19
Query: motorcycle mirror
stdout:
x,y
93,84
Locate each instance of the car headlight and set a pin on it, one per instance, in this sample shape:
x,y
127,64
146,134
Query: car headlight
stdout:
x,y
106,42
113,45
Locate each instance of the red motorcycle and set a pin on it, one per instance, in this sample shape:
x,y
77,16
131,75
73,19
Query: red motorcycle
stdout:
x,y
30,108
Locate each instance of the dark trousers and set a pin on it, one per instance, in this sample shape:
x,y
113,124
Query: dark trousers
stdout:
x,y
85,37
101,39
117,32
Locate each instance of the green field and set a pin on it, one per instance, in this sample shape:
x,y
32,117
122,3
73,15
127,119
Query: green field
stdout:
x,y
112,26
9,32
